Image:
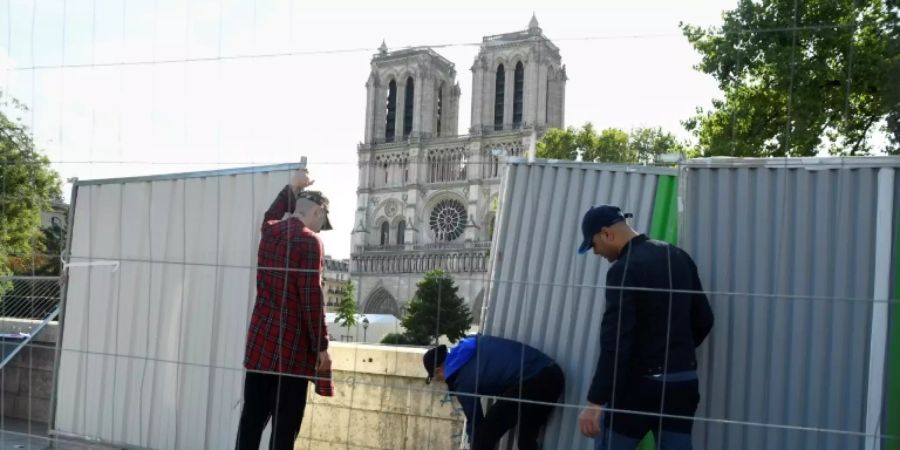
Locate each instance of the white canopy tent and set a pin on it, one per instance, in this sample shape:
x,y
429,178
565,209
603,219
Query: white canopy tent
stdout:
x,y
379,326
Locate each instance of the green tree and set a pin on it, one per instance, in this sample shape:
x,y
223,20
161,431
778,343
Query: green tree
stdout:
x,y
649,143
54,244
612,145
396,339
800,77
44,261
436,310
558,143
346,310
27,187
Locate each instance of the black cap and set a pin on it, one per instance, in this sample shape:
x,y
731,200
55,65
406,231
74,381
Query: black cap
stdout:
x,y
596,219
433,359
318,198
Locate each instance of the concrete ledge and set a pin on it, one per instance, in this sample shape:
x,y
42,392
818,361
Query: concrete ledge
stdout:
x,y
49,334
378,359
381,402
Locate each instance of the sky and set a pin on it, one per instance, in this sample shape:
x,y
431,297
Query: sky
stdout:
x,y
121,88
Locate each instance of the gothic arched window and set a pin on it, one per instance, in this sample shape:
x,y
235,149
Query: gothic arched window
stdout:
x,y
401,230
391,116
518,94
385,233
440,107
408,107
499,88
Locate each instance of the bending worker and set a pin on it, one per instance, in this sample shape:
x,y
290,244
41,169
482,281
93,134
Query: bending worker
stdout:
x,y
492,366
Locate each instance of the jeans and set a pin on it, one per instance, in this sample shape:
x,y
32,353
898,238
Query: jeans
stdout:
x,y
624,430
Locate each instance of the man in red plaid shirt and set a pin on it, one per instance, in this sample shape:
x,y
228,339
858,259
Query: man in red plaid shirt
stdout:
x,y
287,341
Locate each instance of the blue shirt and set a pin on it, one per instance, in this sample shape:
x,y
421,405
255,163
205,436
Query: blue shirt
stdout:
x,y
488,365
459,356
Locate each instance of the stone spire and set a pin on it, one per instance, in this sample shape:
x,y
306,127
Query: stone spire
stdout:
x,y
533,23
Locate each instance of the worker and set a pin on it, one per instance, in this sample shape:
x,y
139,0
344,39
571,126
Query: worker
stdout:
x,y
525,381
656,315
287,340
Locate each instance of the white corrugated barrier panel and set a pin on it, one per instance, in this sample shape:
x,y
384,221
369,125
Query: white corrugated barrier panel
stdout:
x,y
160,289
542,292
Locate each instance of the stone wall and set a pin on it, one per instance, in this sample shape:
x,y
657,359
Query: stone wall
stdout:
x,y
381,402
28,378
381,399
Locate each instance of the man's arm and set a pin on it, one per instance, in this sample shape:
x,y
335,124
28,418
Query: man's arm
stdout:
x,y
701,312
307,255
287,198
616,333
283,203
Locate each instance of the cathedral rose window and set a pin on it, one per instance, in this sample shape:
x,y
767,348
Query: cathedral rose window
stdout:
x,y
448,220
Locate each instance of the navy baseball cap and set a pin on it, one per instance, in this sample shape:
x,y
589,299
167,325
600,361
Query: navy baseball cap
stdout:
x,y
596,219
433,359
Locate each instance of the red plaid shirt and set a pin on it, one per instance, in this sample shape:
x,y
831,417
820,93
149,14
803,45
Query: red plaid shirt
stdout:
x,y
287,328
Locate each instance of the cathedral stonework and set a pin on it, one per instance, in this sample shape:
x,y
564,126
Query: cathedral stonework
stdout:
x,y
427,196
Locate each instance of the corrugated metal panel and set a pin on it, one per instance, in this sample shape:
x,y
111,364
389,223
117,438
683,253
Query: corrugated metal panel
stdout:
x,y
542,292
151,352
779,234
891,423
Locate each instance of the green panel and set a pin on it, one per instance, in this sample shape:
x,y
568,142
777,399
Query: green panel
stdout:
x,y
664,227
892,419
664,223
648,443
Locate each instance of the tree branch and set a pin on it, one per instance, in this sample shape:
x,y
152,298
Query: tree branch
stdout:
x,y
862,137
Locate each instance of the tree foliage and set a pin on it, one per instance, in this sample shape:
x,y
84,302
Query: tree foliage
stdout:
x,y
800,77
558,143
649,143
397,339
436,310
346,310
640,146
27,186
46,260
611,145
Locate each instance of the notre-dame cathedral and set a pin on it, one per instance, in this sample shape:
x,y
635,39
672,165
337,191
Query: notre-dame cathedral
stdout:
x,y
427,195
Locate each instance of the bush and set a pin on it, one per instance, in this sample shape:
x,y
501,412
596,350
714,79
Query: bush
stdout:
x,y
397,339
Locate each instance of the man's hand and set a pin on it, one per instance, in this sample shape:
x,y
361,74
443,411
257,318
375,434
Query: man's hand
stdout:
x,y
324,362
300,180
589,420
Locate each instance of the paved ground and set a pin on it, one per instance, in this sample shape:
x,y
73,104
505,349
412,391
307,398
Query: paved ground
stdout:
x,y
17,434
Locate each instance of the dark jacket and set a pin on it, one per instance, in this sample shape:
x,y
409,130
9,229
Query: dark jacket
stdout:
x,y
645,301
496,365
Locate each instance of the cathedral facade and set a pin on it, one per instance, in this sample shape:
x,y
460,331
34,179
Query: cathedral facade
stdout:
x,y
427,196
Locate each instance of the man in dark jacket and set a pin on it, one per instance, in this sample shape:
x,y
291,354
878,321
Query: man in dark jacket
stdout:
x,y
497,367
656,315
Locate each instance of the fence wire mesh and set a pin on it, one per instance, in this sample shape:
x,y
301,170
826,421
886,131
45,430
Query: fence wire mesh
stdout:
x,y
158,278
